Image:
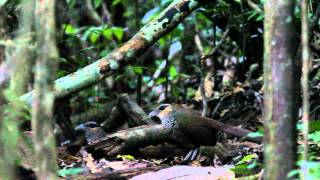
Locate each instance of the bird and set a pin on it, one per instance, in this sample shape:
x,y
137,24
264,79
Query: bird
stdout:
x,y
189,124
86,133
92,132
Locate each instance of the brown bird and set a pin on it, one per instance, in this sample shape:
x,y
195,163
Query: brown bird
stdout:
x,y
195,130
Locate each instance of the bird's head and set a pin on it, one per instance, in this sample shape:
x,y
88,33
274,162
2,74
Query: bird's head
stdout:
x,y
86,125
162,112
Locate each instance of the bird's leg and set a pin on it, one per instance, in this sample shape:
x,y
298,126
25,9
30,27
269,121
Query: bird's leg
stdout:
x,y
188,155
192,155
195,153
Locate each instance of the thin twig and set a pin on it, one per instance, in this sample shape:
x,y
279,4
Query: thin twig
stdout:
x,y
223,38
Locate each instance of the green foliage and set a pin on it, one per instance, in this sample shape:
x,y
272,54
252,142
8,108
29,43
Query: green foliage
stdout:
x,y
118,33
97,3
161,80
259,133
255,15
312,168
138,69
116,2
173,73
70,172
247,165
315,137
70,30
71,3
125,157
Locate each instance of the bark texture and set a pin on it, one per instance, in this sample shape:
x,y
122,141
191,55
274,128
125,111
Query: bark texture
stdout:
x,y
281,86
42,105
17,66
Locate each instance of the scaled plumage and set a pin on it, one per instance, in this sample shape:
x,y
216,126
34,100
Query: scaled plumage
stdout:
x,y
193,128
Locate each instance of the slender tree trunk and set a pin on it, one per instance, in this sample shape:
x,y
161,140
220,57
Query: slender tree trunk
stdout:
x,y
18,61
42,105
305,84
281,86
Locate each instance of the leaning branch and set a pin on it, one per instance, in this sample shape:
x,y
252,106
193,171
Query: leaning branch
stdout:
x,y
118,58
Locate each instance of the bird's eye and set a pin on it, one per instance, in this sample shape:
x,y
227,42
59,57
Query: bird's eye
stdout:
x,y
162,108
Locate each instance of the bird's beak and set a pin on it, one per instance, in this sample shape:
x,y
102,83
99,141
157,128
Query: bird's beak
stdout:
x,y
80,127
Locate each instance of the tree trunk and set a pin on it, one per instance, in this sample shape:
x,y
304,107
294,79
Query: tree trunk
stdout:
x,y
17,65
42,105
281,86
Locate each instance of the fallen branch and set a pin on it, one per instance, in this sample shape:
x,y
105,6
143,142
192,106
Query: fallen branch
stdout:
x,y
134,111
136,46
134,138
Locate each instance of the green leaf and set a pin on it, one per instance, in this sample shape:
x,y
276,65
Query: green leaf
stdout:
x,y
94,36
118,32
161,80
255,134
69,29
293,173
173,72
103,53
248,158
252,14
190,93
315,136
137,69
241,169
71,3
97,3
314,126
70,172
146,79
115,2
260,17
126,157
107,33
61,73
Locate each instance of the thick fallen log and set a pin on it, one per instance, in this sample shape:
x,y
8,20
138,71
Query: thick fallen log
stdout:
x,y
134,138
136,46
126,140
